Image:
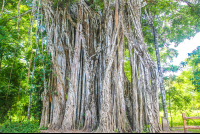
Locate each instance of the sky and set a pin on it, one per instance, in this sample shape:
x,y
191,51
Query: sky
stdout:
x,y
184,48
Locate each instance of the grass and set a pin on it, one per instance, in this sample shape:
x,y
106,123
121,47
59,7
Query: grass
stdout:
x,y
177,120
191,130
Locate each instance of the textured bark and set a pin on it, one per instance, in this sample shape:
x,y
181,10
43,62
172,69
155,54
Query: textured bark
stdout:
x,y
148,99
142,81
59,61
135,122
59,94
155,107
90,46
51,96
134,89
83,102
106,106
45,98
79,99
45,110
30,94
140,101
70,111
162,87
45,95
123,123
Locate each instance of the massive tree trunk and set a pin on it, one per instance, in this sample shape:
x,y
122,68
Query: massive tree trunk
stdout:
x,y
70,111
87,55
59,61
59,96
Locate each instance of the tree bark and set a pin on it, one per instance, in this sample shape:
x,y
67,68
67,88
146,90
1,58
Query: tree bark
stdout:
x,y
91,44
45,98
162,87
70,111
30,94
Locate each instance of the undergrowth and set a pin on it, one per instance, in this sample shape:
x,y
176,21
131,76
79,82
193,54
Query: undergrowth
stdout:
x,y
20,127
44,128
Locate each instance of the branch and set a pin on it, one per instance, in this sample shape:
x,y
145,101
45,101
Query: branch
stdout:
x,y
2,8
20,15
189,4
164,42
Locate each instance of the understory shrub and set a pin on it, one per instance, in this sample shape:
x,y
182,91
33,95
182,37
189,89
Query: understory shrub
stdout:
x,y
20,127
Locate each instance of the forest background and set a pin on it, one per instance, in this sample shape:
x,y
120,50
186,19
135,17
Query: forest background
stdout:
x,y
175,21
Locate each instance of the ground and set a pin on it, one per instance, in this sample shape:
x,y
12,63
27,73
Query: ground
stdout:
x,y
59,131
181,130
174,130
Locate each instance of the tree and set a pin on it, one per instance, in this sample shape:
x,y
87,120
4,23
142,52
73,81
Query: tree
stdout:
x,y
14,36
193,61
11,44
162,87
163,18
86,41
86,45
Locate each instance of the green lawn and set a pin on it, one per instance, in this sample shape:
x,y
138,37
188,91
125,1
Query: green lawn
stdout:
x,y
177,120
189,130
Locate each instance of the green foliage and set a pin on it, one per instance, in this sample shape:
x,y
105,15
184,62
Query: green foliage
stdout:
x,y
15,53
80,125
127,66
44,128
171,68
83,115
145,129
12,49
116,130
174,23
194,62
62,3
97,4
55,93
181,91
177,120
182,94
20,127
